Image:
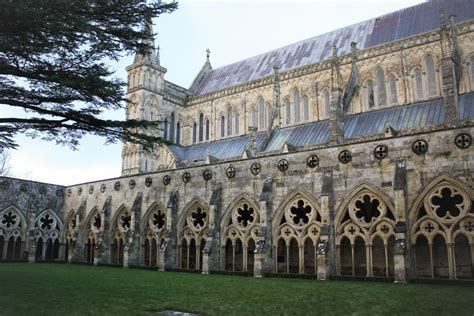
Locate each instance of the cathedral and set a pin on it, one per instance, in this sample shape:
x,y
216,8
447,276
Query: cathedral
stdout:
x,y
346,154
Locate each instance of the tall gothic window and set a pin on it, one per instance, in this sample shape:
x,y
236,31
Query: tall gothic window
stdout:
x,y
178,133
261,113
392,81
165,129
207,129
229,121
237,123
381,88
431,76
269,115
172,119
418,84
370,100
288,111
201,127
305,108
253,117
222,126
192,236
296,105
194,132
326,104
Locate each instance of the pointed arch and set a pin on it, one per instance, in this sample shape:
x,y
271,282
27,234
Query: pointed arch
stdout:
x,y
296,105
287,111
152,229
172,127
392,83
178,133
431,78
296,231
48,229
418,90
305,108
261,113
230,115
13,233
120,228
381,87
201,127
365,221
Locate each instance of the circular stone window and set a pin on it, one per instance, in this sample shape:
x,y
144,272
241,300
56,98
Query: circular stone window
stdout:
x,y
255,168
117,186
345,156
230,172
419,146
102,187
148,182
207,175
166,179
381,152
463,140
132,184
91,189
283,165
186,177
312,161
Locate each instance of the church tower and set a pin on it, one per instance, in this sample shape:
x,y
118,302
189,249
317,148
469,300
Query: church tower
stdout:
x,y
145,93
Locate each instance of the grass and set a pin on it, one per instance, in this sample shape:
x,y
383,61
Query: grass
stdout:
x,y
54,289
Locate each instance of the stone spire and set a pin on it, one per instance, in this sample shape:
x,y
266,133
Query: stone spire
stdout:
x,y
152,55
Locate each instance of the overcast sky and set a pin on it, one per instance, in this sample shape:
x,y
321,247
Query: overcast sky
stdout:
x,y
233,30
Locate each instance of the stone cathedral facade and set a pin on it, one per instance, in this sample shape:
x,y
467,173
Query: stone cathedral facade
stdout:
x,y
349,153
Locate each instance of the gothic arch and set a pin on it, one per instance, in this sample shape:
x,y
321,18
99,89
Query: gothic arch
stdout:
x,y
239,227
13,233
152,230
69,234
192,232
296,230
47,231
442,230
365,233
121,229
94,226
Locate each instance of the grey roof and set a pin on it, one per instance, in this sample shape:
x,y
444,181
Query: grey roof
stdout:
x,y
405,23
426,113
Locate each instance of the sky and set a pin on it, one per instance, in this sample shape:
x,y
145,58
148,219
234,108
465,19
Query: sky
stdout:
x,y
232,29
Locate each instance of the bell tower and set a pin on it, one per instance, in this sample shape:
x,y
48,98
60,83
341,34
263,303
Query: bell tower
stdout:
x,y
145,88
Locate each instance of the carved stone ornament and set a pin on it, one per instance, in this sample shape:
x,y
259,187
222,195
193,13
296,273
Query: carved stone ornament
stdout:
x,y
381,152
420,147
117,186
345,156
322,247
230,172
312,161
186,177
207,175
283,165
148,182
463,140
400,246
132,184
255,168
166,179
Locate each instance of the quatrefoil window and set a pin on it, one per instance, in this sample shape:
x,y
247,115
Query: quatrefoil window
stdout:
x,y
367,209
419,147
345,156
283,165
245,215
186,177
46,222
380,152
198,217
300,213
230,172
312,161
255,168
102,188
447,204
159,219
463,140
117,186
148,182
91,189
132,184
9,219
166,179
126,220
207,175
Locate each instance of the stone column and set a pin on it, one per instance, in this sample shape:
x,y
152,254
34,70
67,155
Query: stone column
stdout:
x,y
321,250
400,238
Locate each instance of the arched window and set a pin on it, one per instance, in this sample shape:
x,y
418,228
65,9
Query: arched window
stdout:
x,y
229,121
369,96
288,111
296,105
201,127
121,227
261,113
222,126
431,76
172,119
237,123
253,117
326,104
194,132
381,88
269,115
47,229
305,108
365,236
207,129
178,133
418,84
165,129
393,89
154,232
192,236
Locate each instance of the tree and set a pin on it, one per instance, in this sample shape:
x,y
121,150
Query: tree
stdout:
x,y
5,163
53,56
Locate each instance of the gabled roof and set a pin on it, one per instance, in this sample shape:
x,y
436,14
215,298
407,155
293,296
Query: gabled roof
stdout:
x,y
425,113
391,27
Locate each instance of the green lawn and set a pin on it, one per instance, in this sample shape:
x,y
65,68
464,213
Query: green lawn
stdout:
x,y
46,289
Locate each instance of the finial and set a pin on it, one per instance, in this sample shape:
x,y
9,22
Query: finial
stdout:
x,y
442,21
158,54
334,50
208,52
